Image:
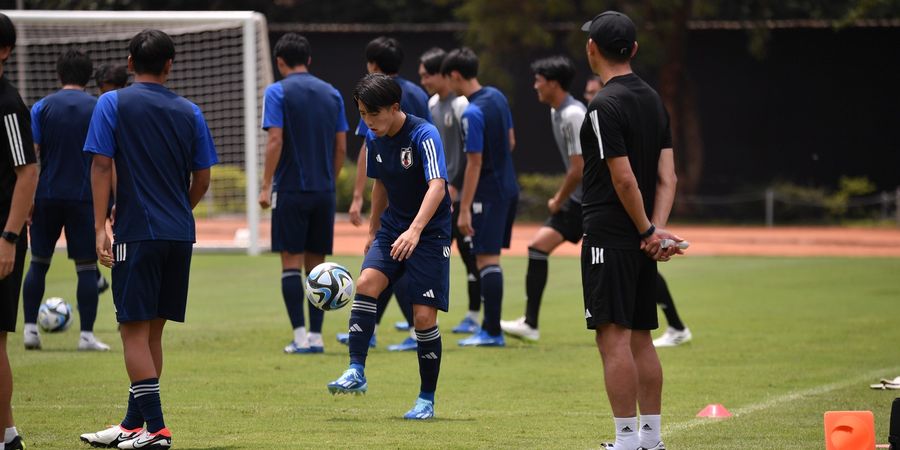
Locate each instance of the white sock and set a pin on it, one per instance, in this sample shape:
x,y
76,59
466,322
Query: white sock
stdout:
x,y
10,434
626,433
650,425
375,330
412,333
87,336
314,339
31,328
300,337
472,315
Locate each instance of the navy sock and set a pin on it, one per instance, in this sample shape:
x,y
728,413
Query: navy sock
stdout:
x,y
429,351
362,325
292,292
664,298
535,281
472,275
133,418
33,288
400,290
316,317
146,394
492,292
383,301
87,294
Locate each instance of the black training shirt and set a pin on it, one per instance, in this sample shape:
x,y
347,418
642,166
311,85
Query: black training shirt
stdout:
x,y
626,118
16,146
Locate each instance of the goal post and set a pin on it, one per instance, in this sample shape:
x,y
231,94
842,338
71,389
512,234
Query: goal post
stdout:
x,y
222,63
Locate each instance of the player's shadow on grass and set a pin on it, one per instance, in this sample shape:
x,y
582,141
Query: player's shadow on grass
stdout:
x,y
230,447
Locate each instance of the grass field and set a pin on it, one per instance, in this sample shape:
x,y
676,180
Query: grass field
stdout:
x,y
778,341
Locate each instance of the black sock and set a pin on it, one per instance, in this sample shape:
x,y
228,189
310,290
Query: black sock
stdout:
x,y
146,394
664,299
472,275
87,295
33,288
362,326
429,352
535,281
316,317
292,292
492,291
133,418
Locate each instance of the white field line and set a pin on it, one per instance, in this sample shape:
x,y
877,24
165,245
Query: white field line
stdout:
x,y
792,396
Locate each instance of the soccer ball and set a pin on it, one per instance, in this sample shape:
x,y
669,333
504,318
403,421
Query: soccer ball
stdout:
x,y
55,315
329,286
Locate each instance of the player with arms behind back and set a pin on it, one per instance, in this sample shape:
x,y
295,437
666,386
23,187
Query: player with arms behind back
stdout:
x,y
409,234
163,152
629,185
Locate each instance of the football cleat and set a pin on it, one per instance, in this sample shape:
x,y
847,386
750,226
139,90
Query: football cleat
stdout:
x,y
519,329
422,410
294,349
401,325
91,345
15,444
466,326
102,284
344,338
673,337
315,344
483,339
110,437
659,446
350,382
32,340
408,344
159,440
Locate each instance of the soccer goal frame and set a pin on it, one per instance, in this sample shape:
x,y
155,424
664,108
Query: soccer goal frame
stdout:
x,y
256,74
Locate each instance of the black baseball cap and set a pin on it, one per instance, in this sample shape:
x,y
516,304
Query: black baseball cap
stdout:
x,y
612,31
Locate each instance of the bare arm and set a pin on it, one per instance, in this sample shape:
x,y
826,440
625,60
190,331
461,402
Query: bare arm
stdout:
x,y
573,178
628,191
23,196
340,152
666,181
101,185
512,139
199,186
359,185
273,155
403,247
470,184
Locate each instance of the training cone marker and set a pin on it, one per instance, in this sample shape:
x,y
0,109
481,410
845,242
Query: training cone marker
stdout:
x,y
714,411
849,430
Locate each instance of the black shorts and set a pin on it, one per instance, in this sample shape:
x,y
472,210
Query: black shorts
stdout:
x,y
11,286
619,287
568,221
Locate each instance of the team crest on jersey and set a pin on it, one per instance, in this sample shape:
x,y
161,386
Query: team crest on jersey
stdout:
x,y
406,158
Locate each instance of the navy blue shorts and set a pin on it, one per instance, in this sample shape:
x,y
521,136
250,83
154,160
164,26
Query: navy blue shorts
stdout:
x,y
150,280
50,217
493,223
426,274
303,222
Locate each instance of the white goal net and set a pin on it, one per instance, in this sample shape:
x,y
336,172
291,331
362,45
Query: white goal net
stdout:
x,y
222,63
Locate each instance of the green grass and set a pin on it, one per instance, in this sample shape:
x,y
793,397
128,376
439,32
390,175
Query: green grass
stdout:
x,y
777,340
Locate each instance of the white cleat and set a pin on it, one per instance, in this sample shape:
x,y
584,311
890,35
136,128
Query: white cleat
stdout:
x,y
162,439
659,446
91,345
32,340
673,337
519,329
111,437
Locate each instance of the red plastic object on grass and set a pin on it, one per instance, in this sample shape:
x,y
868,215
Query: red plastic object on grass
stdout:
x,y
714,411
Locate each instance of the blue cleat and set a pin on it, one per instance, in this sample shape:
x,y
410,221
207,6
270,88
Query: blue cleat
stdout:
x,y
422,410
408,344
401,325
294,349
483,339
350,382
344,338
467,326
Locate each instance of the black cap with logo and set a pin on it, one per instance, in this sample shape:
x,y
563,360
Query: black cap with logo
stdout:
x,y
612,31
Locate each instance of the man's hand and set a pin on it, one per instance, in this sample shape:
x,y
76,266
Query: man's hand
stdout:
x,y
651,245
104,247
554,205
7,258
265,197
403,247
356,211
465,222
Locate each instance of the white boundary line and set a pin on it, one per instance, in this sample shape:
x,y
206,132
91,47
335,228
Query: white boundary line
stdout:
x,y
792,396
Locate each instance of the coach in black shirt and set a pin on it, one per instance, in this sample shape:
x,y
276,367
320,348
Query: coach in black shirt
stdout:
x,y
629,185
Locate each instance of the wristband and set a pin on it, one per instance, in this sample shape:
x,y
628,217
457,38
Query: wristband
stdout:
x,y
10,237
649,232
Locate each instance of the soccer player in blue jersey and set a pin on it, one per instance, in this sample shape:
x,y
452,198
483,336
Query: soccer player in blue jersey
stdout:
x,y
163,151
490,190
409,234
307,141
18,180
59,124
384,55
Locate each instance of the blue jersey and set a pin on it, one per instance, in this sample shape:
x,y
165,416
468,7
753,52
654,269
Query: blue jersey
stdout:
x,y
486,124
405,163
413,100
310,111
59,124
157,139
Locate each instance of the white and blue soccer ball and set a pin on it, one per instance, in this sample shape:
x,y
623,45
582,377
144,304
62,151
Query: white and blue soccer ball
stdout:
x,y
329,286
55,315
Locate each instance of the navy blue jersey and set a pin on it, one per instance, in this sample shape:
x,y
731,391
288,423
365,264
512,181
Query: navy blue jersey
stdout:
x,y
157,139
310,111
413,100
59,124
405,163
486,124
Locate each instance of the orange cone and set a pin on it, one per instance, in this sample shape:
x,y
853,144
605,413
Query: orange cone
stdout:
x,y
849,430
714,411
